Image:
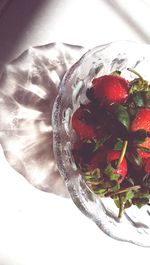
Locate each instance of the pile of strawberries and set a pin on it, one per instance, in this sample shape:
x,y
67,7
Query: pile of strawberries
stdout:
x,y
112,146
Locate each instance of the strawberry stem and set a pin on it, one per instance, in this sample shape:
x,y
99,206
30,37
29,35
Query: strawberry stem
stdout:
x,y
135,72
121,208
121,202
94,183
123,151
136,187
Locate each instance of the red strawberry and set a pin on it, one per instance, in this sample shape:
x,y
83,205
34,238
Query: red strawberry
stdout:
x,y
146,164
143,154
83,152
142,121
113,89
85,157
82,122
97,159
113,156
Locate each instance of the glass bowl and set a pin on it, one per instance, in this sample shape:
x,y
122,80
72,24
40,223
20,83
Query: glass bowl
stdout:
x,y
134,226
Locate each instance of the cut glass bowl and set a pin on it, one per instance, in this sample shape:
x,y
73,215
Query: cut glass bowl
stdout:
x,y
134,226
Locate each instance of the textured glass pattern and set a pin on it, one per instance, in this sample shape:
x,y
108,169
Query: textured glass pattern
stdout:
x,y
134,226
28,88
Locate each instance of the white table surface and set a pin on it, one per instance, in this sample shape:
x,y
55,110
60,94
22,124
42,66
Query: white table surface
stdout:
x,y
38,228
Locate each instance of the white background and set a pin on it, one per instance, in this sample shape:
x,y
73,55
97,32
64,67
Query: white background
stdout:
x,y
37,228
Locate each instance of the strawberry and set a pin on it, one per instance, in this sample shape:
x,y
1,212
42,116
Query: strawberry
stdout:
x,y
110,88
142,121
113,156
97,159
146,164
83,152
143,154
85,156
82,123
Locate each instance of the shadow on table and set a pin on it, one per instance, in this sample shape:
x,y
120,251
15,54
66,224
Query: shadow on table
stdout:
x,y
14,22
28,88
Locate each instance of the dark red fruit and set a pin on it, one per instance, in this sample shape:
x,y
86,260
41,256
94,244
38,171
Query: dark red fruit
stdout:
x,y
113,156
109,88
97,159
146,164
83,152
142,121
82,123
85,156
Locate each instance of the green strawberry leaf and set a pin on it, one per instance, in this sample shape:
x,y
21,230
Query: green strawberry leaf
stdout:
x,y
101,142
115,188
95,174
101,192
118,145
87,176
137,85
121,114
109,170
116,73
129,195
128,199
114,176
146,96
123,201
116,201
138,99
